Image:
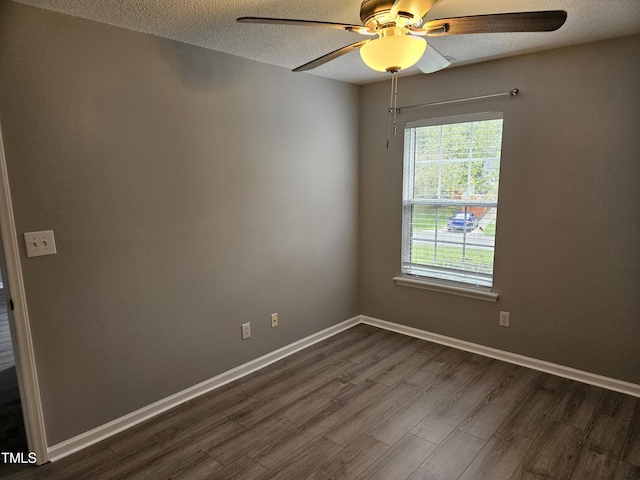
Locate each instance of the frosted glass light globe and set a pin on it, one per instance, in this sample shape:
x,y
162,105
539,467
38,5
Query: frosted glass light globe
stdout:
x,y
393,52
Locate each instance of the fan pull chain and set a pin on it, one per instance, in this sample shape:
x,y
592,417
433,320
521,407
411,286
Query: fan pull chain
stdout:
x,y
393,104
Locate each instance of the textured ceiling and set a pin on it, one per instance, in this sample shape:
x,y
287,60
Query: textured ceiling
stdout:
x,y
211,24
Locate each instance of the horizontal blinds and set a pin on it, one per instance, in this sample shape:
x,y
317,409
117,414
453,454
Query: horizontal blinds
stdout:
x,y
451,179
472,117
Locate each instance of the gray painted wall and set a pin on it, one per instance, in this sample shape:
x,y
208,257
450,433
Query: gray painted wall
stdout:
x,y
567,261
189,191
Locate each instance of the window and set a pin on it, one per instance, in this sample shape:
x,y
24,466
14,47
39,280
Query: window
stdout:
x,y
450,198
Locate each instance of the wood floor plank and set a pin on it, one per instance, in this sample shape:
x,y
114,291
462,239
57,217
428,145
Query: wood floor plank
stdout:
x,y
342,407
243,467
303,429
617,405
385,361
631,448
499,458
485,420
352,461
355,349
304,461
626,471
202,470
302,370
399,462
451,357
414,360
436,426
590,464
239,445
347,430
170,465
528,417
280,445
350,339
577,405
152,430
334,393
253,472
289,378
323,383
180,419
450,459
353,401
171,455
273,439
606,434
550,455
392,428
384,342
599,450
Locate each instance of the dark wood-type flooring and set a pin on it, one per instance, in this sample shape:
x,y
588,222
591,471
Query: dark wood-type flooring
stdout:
x,y
8,380
372,404
12,434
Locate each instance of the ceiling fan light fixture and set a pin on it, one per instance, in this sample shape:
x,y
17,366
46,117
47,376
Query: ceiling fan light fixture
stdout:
x,y
393,51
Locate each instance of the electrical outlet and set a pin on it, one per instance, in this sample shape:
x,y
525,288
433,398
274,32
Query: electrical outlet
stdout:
x,y
274,320
504,319
246,330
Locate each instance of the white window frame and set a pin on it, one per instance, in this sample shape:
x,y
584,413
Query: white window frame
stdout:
x,y
460,282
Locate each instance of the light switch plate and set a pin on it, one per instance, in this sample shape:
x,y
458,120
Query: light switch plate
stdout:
x,y
40,243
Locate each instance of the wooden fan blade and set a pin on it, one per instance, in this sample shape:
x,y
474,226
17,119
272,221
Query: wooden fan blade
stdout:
x,y
330,56
432,61
306,23
545,21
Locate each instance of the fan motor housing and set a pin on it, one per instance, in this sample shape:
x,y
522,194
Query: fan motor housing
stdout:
x,y
376,13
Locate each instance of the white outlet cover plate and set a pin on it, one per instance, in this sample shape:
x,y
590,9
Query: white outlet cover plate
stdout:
x,y
246,330
40,243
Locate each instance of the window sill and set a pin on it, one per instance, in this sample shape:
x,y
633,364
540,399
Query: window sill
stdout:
x,y
433,285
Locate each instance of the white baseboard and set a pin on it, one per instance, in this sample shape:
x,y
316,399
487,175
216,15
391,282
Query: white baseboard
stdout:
x,y
533,363
102,432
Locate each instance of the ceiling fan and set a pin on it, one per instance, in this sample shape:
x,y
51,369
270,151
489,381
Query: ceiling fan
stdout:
x,y
400,31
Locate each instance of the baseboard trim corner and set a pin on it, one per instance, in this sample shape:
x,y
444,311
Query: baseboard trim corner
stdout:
x,y
533,363
84,440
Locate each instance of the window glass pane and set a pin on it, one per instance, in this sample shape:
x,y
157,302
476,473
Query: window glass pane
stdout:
x,y
426,180
452,237
456,140
450,195
454,179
